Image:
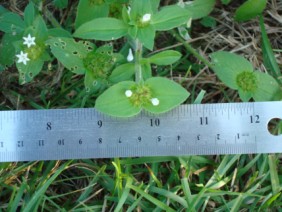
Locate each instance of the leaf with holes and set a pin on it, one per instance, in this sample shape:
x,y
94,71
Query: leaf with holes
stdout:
x,y
29,71
92,84
71,53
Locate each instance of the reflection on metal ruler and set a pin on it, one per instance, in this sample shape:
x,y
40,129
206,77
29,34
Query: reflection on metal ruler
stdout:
x,y
203,129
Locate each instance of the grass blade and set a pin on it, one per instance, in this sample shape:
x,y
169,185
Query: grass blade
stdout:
x,y
151,199
268,55
274,174
35,199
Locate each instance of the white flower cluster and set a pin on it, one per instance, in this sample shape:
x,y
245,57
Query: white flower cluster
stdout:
x,y
22,57
154,101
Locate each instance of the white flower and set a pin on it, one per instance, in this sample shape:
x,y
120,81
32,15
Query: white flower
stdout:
x,y
29,41
130,55
128,93
155,101
146,17
22,57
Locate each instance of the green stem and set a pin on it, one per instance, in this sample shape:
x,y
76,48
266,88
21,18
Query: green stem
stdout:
x,y
138,57
191,49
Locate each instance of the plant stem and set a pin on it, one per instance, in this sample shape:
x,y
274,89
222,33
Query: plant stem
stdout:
x,y
191,49
138,57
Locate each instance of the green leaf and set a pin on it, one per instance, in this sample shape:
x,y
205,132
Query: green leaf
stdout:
x,y
200,8
146,36
115,103
250,9
102,29
170,17
146,69
11,23
132,31
140,8
273,166
3,10
38,29
208,22
165,57
268,55
70,53
228,65
245,96
91,83
267,87
29,71
29,14
40,191
169,93
7,51
87,11
155,5
122,73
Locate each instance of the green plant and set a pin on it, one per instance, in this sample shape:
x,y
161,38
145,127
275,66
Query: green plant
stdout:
x,y
123,81
237,73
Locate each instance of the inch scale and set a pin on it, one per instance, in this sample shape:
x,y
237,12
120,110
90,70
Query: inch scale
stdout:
x,y
202,129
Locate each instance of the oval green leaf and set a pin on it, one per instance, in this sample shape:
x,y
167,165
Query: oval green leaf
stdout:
x,y
88,10
250,9
102,29
29,71
267,89
169,93
228,65
122,73
200,8
114,102
165,58
170,17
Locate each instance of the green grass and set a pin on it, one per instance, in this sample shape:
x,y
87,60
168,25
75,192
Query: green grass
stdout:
x,y
188,183
192,183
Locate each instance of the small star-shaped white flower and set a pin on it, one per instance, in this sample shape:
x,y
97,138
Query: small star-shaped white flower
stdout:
x,y
146,17
22,58
130,55
29,41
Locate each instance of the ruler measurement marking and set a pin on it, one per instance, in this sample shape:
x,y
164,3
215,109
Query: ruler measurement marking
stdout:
x,y
186,130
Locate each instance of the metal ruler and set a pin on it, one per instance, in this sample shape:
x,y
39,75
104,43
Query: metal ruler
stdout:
x,y
202,129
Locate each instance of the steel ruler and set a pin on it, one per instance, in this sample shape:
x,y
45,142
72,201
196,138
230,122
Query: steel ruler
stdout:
x,y
200,129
